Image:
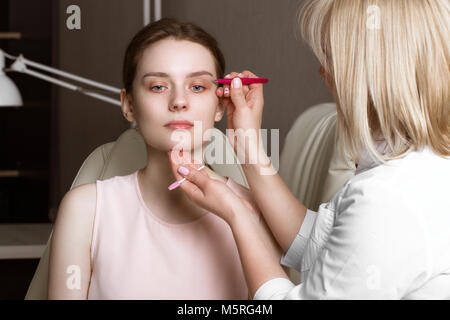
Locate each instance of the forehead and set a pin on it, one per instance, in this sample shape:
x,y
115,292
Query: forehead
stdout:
x,y
176,57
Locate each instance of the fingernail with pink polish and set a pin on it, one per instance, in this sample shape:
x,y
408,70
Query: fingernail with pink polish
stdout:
x,y
236,83
183,171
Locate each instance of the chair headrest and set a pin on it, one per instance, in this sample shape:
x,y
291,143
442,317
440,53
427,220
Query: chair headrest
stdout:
x,y
311,164
127,155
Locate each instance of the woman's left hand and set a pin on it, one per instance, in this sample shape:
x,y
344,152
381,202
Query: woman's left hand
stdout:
x,y
210,194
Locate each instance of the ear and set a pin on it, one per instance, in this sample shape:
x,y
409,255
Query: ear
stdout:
x,y
220,110
128,109
327,78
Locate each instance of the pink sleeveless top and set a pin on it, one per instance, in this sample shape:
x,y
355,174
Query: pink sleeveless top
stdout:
x,y
136,255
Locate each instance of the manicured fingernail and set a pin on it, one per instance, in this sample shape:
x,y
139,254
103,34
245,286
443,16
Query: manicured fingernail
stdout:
x,y
240,75
227,76
226,91
236,83
183,171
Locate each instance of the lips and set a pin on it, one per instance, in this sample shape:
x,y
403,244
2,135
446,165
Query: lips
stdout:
x,y
179,124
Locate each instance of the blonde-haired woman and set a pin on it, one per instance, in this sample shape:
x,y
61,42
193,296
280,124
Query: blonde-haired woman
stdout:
x,y
384,235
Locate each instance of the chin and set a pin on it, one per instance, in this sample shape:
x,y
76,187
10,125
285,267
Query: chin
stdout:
x,y
166,144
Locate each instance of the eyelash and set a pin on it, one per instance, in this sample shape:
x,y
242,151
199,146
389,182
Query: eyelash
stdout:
x,y
197,85
161,86
152,88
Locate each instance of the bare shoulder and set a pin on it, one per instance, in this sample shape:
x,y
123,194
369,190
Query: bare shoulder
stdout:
x,y
82,198
71,242
77,210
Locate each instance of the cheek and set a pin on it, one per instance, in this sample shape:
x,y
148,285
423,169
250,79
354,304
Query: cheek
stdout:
x,y
151,110
206,106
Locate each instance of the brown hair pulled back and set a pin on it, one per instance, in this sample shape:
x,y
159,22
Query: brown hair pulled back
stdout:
x,y
162,29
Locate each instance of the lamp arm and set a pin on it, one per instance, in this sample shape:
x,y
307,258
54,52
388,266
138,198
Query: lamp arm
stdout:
x,y
21,62
70,86
20,65
70,76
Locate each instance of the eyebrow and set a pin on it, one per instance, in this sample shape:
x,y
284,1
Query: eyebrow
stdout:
x,y
165,75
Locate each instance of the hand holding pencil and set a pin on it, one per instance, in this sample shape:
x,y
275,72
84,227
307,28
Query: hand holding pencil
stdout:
x,y
244,107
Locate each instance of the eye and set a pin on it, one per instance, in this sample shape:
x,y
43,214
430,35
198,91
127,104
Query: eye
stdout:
x,y
158,88
197,88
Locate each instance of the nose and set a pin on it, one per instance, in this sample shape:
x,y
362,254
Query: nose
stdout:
x,y
178,101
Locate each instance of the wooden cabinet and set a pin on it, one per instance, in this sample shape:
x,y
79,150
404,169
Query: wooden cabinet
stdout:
x,y
26,151
24,164
27,146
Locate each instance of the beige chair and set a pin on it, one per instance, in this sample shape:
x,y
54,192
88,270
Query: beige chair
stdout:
x,y
309,165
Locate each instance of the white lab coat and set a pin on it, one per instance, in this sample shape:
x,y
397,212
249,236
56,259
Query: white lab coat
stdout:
x,y
384,235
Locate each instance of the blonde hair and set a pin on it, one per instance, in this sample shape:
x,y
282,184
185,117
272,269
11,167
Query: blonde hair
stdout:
x,y
389,60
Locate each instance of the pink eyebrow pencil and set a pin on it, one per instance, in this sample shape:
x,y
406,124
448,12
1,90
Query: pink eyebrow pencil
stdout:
x,y
177,183
244,80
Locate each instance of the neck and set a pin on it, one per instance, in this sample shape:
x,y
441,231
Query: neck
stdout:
x,y
158,175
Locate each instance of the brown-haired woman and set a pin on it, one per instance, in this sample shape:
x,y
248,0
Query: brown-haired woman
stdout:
x,y
129,237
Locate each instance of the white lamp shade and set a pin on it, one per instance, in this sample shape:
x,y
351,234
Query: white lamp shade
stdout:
x,y
9,94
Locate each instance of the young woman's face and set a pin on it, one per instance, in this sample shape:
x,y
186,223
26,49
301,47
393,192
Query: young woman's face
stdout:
x,y
173,82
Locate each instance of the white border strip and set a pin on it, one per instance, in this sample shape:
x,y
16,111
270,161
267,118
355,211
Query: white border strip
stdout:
x,y
146,11
157,10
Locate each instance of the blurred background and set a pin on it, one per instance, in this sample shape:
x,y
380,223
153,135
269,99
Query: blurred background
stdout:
x,y
44,142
